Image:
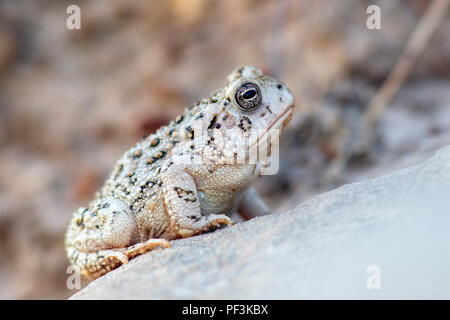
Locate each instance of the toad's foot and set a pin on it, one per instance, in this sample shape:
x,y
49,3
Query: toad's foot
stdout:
x,y
96,264
207,224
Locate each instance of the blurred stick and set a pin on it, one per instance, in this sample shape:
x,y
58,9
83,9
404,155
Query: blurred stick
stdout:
x,y
419,39
416,44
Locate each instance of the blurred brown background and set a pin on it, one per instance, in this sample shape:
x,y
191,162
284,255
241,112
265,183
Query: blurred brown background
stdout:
x,y
72,101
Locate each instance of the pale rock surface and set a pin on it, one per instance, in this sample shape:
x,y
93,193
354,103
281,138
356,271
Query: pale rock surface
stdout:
x,y
322,249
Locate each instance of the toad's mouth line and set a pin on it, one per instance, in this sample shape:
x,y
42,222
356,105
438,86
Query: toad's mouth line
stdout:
x,y
278,124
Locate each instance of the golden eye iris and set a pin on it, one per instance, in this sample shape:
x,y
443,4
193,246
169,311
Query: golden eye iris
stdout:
x,y
248,96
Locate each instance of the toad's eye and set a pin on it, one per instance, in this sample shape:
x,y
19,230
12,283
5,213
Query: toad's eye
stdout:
x,y
248,96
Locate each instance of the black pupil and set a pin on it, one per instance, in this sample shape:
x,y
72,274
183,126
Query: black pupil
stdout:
x,y
249,94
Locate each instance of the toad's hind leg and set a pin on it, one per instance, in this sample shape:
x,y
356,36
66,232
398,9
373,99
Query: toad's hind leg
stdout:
x,y
104,236
96,264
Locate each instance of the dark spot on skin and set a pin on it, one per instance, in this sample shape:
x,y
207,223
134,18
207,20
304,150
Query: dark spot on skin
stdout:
x,y
160,154
279,86
268,109
186,195
75,255
217,125
199,116
226,101
80,223
171,131
281,99
105,205
245,124
194,218
179,119
190,131
101,206
154,142
213,122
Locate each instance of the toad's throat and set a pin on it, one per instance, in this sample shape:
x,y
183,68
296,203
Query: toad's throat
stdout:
x,y
278,124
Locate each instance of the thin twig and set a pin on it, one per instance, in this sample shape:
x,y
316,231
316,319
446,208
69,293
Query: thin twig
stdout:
x,y
419,39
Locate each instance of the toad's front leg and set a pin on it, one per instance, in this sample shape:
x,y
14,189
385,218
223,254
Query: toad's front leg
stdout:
x,y
183,206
